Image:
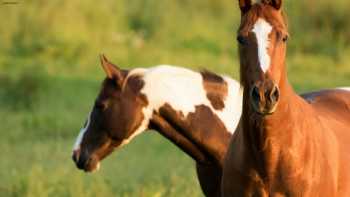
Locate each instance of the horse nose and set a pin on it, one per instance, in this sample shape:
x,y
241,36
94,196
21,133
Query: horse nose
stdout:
x,y
75,155
264,97
273,96
255,94
80,158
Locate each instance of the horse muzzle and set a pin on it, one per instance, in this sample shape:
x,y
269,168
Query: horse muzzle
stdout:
x,y
265,97
85,162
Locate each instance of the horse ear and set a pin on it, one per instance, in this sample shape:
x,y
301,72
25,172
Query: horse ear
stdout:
x,y
274,3
112,71
245,5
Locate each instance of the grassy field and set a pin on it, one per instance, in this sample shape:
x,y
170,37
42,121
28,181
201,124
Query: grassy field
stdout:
x,y
50,75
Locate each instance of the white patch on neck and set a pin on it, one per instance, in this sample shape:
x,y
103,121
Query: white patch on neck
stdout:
x,y
262,29
143,126
81,134
183,90
147,116
232,112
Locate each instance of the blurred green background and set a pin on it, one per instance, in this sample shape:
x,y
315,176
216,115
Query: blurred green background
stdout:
x,y
50,75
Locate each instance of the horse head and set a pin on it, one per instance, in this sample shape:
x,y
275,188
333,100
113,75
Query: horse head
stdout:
x,y
114,120
262,38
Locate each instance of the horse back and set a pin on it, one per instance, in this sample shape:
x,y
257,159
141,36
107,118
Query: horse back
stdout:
x,y
333,104
333,108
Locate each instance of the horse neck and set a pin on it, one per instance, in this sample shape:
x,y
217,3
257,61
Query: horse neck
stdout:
x,y
268,138
186,116
204,146
162,126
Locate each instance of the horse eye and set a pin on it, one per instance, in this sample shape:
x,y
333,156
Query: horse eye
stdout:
x,y
285,38
100,105
242,40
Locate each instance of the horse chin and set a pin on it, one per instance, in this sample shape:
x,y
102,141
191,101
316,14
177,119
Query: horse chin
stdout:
x,y
271,110
265,111
92,165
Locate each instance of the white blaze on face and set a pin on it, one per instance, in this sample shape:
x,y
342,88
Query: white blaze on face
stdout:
x,y
262,29
81,134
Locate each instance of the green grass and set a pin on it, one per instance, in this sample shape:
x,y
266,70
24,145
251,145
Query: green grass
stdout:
x,y
36,147
50,75
44,168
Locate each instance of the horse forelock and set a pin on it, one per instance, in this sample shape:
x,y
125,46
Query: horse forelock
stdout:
x,y
277,19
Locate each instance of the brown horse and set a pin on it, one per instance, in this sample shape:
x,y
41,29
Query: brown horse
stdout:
x,y
284,145
196,111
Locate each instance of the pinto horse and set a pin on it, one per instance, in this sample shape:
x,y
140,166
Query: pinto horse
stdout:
x,y
196,111
284,145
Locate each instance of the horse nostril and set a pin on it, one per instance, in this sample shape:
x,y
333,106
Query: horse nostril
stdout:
x,y
275,94
255,94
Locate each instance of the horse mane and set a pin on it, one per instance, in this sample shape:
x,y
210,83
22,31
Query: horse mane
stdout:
x,y
211,76
137,72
